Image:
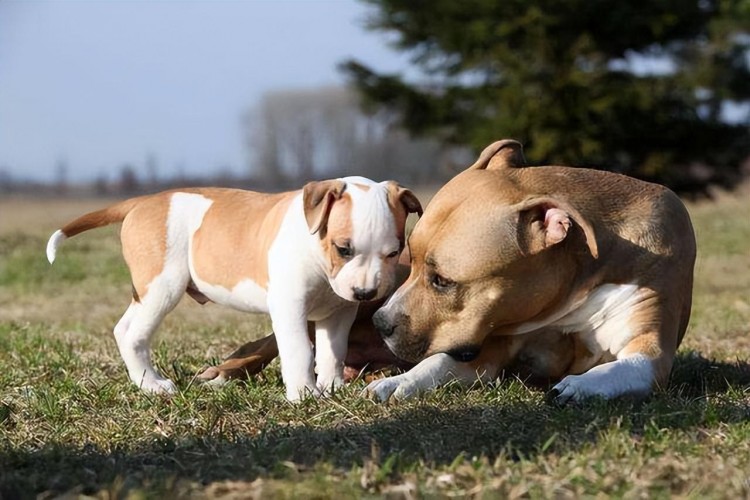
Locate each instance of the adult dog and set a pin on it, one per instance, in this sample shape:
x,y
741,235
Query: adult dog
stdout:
x,y
312,254
598,262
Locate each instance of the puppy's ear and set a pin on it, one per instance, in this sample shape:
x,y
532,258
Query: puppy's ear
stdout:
x,y
546,222
399,194
317,199
501,154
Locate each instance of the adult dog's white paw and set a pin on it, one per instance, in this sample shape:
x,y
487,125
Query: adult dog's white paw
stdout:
x,y
398,387
573,389
217,382
631,377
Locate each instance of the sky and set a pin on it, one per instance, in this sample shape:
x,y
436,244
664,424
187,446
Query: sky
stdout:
x,y
98,84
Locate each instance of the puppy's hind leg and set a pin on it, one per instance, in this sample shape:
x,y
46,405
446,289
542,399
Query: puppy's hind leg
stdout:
x,y
134,331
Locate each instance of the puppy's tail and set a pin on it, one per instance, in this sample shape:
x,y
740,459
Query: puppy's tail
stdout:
x,y
104,217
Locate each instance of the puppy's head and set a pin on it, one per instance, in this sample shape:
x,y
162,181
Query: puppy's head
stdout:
x,y
360,225
485,257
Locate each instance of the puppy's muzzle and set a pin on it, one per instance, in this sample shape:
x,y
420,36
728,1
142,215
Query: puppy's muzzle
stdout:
x,y
363,294
382,325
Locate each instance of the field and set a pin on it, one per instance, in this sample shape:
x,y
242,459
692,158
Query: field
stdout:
x,y
71,422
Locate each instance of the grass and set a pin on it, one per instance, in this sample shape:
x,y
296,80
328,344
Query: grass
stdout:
x,y
72,424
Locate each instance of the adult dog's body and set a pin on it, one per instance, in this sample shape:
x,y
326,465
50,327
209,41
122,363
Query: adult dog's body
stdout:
x,y
311,254
598,265
557,274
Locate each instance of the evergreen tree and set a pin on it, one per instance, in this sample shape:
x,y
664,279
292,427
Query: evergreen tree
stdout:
x,y
638,86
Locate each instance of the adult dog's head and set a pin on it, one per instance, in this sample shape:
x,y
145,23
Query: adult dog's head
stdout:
x,y
487,256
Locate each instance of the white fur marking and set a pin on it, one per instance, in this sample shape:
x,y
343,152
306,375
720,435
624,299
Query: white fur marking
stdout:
x,y
430,373
602,321
632,376
54,241
245,296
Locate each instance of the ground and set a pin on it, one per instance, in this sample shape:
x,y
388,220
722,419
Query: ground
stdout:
x,y
72,423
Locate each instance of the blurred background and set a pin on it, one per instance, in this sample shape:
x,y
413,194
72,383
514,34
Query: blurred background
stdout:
x,y
124,97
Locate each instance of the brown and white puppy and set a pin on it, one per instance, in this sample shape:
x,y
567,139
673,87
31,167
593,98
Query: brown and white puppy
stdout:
x,y
312,254
598,264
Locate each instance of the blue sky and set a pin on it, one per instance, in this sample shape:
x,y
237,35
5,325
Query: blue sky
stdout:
x,y
99,84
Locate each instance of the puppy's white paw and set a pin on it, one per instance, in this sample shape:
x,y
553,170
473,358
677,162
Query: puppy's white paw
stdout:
x,y
398,387
161,386
297,393
328,385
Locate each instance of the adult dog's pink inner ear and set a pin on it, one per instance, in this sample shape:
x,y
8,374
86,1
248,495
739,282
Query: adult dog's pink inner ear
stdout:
x,y
556,225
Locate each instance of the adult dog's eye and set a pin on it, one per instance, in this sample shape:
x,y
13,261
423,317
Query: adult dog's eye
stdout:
x,y
392,254
441,283
345,251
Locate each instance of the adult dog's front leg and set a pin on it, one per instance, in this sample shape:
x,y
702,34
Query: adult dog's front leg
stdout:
x,y
430,373
331,340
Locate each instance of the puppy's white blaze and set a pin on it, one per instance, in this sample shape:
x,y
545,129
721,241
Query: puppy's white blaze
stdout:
x,y
373,237
54,241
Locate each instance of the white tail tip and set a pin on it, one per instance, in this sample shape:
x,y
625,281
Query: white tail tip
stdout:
x,y
54,242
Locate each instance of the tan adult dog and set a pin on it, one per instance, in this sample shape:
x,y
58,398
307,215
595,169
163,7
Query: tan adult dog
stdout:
x,y
575,272
307,255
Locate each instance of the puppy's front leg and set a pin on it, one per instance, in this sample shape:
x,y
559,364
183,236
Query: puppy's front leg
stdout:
x,y
296,354
331,340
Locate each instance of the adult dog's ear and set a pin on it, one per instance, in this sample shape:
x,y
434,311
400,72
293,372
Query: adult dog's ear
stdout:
x,y
317,199
546,222
407,199
501,154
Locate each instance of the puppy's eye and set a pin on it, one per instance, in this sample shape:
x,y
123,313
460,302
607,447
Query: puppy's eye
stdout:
x,y
345,251
441,283
392,254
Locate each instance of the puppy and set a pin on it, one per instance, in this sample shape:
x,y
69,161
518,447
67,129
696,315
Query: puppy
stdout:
x,y
307,255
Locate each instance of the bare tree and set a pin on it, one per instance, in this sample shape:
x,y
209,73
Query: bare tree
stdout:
x,y
304,134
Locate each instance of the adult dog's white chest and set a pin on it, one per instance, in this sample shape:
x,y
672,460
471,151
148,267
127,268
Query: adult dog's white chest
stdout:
x,y
602,321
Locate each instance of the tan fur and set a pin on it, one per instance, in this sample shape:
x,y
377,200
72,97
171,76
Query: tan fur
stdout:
x,y
230,223
99,218
318,197
339,231
144,241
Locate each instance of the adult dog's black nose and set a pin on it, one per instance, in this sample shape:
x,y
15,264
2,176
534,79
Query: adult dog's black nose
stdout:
x,y
364,294
464,354
383,327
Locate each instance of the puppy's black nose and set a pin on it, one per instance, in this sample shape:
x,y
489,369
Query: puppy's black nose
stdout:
x,y
383,327
364,294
